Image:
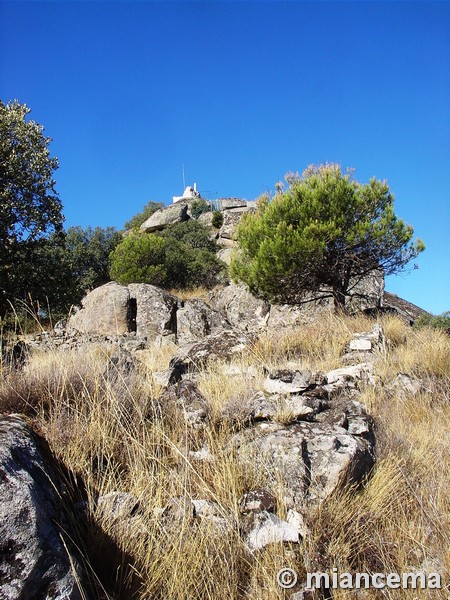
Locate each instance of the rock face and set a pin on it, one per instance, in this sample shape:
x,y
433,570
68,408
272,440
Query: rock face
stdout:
x,y
196,320
33,559
228,231
154,308
104,311
407,311
367,294
222,346
176,213
241,308
327,440
286,315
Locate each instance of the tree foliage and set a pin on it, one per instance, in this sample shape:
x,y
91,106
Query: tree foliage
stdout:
x,y
136,221
87,256
192,233
57,270
29,205
181,256
322,234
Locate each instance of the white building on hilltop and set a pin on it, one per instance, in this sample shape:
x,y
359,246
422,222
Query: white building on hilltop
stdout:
x,y
189,194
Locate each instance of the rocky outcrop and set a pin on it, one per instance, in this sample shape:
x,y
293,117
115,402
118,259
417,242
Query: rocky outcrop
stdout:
x,y
407,311
175,213
308,432
34,560
232,203
242,309
153,310
104,311
222,346
196,320
227,234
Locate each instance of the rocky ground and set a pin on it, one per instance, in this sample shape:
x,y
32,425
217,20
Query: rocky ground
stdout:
x,y
160,448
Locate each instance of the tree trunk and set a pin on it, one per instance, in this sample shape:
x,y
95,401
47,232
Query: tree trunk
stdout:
x,y
339,299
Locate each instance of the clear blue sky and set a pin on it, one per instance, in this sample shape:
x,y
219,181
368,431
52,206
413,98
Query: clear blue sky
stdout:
x,y
240,93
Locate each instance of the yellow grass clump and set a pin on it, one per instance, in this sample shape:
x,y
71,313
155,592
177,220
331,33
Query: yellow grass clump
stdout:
x,y
110,430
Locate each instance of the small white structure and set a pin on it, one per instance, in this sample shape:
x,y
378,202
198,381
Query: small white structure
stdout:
x,y
189,193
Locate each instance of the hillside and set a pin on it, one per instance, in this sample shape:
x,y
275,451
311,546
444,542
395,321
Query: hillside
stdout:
x,y
200,470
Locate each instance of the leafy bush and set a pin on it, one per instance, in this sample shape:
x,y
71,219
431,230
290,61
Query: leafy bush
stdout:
x,y
199,207
192,233
140,258
182,256
146,213
217,219
434,321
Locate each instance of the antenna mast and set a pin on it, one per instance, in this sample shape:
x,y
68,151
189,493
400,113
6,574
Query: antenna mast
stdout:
x,y
184,183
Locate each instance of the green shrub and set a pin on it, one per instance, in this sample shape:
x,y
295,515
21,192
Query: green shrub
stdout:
x,y
140,258
194,234
182,256
434,321
217,219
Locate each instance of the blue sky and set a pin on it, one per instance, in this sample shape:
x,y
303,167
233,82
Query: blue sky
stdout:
x,y
240,93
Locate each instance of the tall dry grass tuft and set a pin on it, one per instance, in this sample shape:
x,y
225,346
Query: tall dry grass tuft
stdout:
x,y
317,346
200,293
109,427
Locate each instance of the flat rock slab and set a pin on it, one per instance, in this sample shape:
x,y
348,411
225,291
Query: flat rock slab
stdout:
x,y
175,213
34,562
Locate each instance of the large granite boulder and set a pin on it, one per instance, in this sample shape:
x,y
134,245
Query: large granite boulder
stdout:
x,y
175,213
34,559
241,308
154,310
310,436
196,320
311,459
104,311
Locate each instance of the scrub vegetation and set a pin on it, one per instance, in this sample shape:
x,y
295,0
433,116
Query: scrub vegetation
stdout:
x,y
110,431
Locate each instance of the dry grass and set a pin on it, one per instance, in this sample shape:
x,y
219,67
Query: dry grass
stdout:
x,y
200,293
111,432
316,346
